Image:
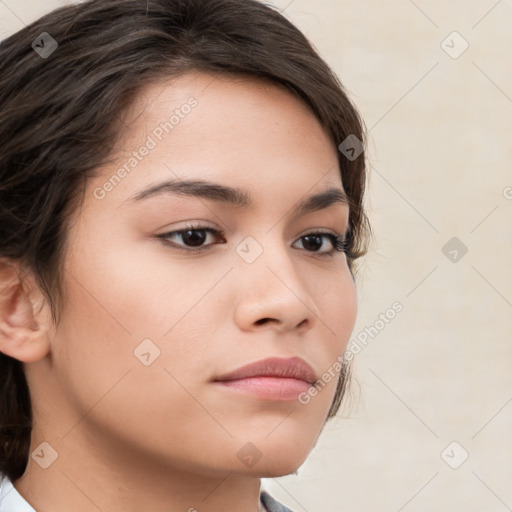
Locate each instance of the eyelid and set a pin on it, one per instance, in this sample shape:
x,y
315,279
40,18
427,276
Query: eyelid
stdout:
x,y
201,225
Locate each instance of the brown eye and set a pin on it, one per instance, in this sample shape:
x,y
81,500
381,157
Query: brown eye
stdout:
x,y
313,242
193,237
190,238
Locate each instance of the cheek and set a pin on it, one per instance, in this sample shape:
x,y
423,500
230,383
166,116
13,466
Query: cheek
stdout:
x,y
122,305
111,390
342,309
125,291
337,307
92,350
148,289
335,295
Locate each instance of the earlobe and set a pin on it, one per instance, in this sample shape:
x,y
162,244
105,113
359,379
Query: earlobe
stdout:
x,y
23,325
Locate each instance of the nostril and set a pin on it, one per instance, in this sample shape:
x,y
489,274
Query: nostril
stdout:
x,y
262,320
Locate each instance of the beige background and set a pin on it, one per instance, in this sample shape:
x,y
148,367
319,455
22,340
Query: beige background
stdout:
x,y
440,151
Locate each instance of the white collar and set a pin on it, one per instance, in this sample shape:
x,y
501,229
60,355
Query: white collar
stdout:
x,y
10,498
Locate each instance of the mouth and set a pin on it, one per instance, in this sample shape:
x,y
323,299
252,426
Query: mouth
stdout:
x,y
274,379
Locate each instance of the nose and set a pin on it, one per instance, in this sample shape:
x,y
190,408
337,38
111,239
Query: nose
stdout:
x,y
272,294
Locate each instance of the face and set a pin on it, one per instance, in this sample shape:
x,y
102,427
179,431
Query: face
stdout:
x,y
167,291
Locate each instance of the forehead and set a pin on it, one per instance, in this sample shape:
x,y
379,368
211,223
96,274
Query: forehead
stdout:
x,y
225,104
235,129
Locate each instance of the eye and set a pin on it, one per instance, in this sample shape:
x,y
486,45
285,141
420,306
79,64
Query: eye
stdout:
x,y
193,239
314,242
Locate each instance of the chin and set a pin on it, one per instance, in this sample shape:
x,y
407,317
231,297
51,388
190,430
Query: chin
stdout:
x,y
277,468
281,461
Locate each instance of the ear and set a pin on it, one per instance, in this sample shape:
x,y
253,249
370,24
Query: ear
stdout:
x,y
24,315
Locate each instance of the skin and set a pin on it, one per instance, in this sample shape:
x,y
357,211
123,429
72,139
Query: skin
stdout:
x,y
163,437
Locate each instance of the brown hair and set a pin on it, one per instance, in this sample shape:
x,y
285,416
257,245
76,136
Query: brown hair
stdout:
x,y
59,119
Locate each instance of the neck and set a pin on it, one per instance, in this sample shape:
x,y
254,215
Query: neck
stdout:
x,y
87,477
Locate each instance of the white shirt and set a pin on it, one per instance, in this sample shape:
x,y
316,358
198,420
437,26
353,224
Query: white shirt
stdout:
x,y
12,501
10,498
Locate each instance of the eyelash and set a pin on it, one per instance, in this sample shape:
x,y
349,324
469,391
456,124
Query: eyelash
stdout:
x,y
338,242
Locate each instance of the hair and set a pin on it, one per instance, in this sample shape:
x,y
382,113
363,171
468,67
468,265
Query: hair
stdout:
x,y
61,115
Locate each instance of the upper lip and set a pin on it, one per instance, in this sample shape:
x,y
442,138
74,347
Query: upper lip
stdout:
x,y
293,367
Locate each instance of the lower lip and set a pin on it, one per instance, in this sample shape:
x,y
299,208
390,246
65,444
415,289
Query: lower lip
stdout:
x,y
269,388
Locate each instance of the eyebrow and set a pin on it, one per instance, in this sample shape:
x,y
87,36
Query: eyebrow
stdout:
x,y
237,197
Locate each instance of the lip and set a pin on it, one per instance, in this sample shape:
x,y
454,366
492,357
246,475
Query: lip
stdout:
x,y
275,389
284,368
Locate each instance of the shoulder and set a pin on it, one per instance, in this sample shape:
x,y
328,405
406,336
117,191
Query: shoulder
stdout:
x,y
272,504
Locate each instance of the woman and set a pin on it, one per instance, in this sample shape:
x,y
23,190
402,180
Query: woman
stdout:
x,y
181,210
